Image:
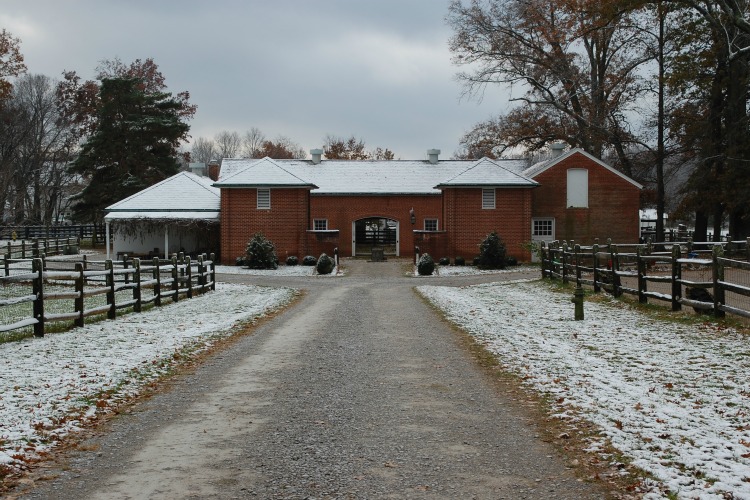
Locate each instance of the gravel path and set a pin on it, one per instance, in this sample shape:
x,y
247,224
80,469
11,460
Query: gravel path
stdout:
x,y
358,391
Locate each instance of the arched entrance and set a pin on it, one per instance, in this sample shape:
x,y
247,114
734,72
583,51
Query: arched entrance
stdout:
x,y
375,232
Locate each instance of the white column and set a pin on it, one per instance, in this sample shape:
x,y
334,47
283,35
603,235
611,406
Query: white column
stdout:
x,y
106,237
166,242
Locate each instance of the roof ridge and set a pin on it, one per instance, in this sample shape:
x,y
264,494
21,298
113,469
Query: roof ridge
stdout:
x,y
485,159
260,161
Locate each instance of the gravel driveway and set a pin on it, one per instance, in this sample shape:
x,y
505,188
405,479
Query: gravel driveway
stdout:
x,y
358,391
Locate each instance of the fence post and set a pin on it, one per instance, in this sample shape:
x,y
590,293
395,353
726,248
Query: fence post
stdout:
x,y
676,278
8,256
108,265
175,280
578,264
717,277
213,271
616,283
595,250
189,275
564,261
137,283
201,277
79,290
747,248
23,248
38,290
157,286
125,266
641,276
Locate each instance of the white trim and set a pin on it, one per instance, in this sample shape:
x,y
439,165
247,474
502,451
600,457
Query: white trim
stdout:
x,y
106,236
325,223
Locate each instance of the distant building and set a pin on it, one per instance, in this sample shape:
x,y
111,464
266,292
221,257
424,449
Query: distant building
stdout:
x,y
445,207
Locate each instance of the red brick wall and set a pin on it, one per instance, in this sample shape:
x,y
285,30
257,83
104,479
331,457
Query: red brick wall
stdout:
x,y
341,211
285,224
613,204
467,223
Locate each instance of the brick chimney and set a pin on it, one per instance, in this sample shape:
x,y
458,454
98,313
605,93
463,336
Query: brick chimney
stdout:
x,y
213,170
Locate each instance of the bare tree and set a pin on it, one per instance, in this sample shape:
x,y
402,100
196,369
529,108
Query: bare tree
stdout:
x,y
204,150
228,144
40,177
252,143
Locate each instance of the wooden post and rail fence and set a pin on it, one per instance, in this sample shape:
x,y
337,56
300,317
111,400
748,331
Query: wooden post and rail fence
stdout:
x,y
662,275
168,280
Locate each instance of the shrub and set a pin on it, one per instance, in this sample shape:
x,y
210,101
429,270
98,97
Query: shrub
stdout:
x,y
292,260
426,265
459,261
261,253
445,261
511,261
475,261
325,264
239,261
309,260
492,252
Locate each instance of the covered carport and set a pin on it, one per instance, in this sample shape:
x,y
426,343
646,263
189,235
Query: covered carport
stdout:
x,y
179,214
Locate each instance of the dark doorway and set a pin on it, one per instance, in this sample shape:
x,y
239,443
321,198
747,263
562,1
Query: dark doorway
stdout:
x,y
375,232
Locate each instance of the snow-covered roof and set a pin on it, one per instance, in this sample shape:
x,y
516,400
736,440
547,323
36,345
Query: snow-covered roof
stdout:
x,y
488,172
263,172
540,167
182,196
378,177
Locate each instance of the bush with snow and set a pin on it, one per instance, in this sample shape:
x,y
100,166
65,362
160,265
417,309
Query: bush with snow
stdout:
x,y
325,264
492,252
309,260
292,260
425,266
261,253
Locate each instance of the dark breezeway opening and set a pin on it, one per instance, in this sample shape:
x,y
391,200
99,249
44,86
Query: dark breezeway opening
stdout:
x,y
376,232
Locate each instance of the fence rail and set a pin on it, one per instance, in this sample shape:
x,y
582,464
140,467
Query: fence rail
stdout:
x,y
681,273
16,251
81,231
92,288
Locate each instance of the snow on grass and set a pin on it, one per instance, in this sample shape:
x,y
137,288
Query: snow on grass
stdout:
x,y
473,270
281,271
50,386
672,397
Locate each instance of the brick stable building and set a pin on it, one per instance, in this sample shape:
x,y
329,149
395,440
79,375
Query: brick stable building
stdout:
x,y
446,207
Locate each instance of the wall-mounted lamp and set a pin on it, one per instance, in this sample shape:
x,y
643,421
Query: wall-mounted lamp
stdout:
x,y
413,217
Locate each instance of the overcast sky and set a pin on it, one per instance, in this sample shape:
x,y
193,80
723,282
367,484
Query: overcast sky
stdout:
x,y
377,69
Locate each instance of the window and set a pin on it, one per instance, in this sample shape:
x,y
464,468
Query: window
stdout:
x,y
430,224
264,199
488,198
543,227
578,188
320,224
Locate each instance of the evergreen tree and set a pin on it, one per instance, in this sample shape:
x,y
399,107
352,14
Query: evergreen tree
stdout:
x,y
133,146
